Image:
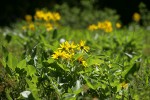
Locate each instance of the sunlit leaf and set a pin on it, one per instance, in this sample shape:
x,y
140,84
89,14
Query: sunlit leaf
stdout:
x,y
12,61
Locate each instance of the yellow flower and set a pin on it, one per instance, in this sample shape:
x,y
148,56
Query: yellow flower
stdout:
x,y
67,46
49,26
136,17
28,18
56,16
65,55
57,54
61,54
39,14
31,26
83,62
118,25
92,27
64,46
82,47
71,48
108,29
101,25
107,24
124,85
49,16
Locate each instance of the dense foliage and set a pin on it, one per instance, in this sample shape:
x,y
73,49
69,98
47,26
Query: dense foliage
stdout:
x,y
44,58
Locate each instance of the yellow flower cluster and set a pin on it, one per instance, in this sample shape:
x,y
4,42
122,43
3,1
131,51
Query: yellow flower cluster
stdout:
x,y
47,16
106,26
68,50
31,26
136,17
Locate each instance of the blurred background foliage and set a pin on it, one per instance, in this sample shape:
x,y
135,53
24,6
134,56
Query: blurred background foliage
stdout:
x,y
81,17
74,10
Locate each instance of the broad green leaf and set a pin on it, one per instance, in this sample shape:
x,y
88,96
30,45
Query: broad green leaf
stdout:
x,y
94,61
55,34
63,67
131,70
103,86
50,60
12,61
31,70
34,79
125,72
119,87
76,92
33,88
22,64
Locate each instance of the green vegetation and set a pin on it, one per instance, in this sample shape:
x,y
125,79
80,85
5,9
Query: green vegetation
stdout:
x,y
40,59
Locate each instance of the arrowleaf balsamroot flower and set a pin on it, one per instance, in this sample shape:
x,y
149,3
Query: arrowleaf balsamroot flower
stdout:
x,y
118,25
49,26
47,16
28,18
56,16
64,46
57,54
124,85
82,47
31,26
105,26
60,54
136,17
82,61
68,50
39,14
93,27
69,47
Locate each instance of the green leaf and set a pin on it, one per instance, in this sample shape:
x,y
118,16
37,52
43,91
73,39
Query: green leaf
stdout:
x,y
119,87
76,56
22,64
125,72
31,70
33,88
63,67
76,92
50,60
94,61
88,83
131,70
54,34
12,61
